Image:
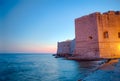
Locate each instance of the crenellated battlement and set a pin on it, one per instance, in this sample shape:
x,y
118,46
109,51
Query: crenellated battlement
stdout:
x,y
112,13
108,13
100,14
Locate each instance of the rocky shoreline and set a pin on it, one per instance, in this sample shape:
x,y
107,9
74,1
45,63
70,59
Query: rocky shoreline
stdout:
x,y
109,71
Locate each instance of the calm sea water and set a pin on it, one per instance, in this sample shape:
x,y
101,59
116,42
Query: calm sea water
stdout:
x,y
42,67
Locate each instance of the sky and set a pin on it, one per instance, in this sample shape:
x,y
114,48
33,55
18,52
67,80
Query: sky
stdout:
x,y
35,26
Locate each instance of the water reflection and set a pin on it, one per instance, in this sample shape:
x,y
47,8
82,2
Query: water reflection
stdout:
x,y
88,64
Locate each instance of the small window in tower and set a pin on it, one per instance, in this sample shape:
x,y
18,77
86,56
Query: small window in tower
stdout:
x,y
106,35
90,37
118,34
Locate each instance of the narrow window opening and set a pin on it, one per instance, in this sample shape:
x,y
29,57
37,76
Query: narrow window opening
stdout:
x,y
106,35
90,37
118,34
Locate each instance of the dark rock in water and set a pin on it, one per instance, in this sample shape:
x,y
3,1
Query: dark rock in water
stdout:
x,y
54,54
57,56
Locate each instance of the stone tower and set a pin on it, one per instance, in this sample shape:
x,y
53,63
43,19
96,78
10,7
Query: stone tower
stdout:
x,y
98,35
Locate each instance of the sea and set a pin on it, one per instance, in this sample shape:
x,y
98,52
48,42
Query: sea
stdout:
x,y
43,67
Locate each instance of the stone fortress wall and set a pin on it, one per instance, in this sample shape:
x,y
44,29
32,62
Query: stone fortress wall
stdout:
x,y
108,25
97,35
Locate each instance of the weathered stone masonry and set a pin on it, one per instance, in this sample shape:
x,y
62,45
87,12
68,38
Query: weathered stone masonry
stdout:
x,y
86,36
66,47
97,35
108,25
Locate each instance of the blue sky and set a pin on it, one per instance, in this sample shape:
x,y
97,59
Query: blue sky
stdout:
x,y
37,25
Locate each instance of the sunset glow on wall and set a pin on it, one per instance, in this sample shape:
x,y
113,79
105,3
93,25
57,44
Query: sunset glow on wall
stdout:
x,y
119,47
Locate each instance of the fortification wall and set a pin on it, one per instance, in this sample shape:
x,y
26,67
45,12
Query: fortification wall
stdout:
x,y
86,33
63,47
108,34
96,36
